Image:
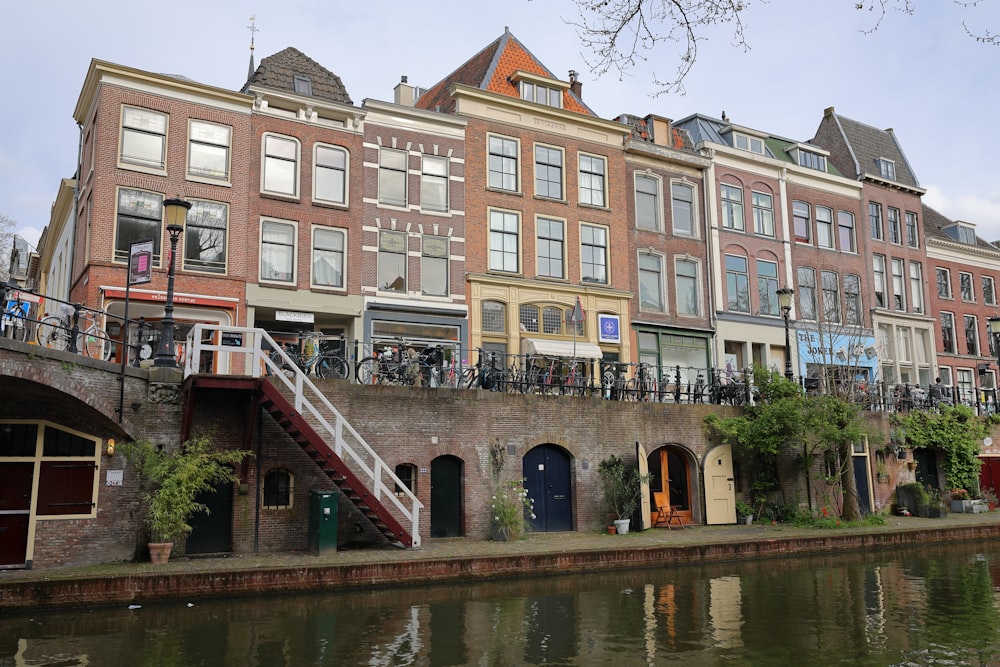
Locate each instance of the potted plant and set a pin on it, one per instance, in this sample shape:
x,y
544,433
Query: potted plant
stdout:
x,y
744,513
622,486
960,501
170,483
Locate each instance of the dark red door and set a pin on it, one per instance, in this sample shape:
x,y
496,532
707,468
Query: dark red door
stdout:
x,y
15,509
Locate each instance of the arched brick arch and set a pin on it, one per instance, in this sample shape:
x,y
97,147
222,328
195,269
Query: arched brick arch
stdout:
x,y
675,469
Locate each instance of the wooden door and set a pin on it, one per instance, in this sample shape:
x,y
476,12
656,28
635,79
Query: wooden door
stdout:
x,y
15,512
720,488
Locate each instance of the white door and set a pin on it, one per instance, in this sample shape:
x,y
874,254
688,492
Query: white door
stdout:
x,y
720,491
645,520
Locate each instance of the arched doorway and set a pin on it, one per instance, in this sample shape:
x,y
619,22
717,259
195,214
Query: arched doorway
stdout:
x,y
446,497
547,477
670,471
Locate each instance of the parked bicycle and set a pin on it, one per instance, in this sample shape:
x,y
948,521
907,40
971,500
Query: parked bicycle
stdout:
x,y
56,332
312,354
398,364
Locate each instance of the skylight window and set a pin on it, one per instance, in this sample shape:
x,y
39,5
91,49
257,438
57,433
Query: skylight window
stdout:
x,y
302,85
887,169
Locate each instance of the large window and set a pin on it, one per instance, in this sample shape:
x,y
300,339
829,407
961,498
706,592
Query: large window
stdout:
x,y
650,282
800,219
144,138
807,293
737,284
330,180
528,316
503,164
830,283
139,219
916,287
208,150
989,292
551,241
277,251
732,207
281,165
894,230
392,261
548,172
592,180
392,165
328,257
593,254
898,288
434,266
767,286
763,213
205,236
852,300
965,286
647,202
875,220
434,183
504,241
824,227
948,332
686,285
494,317
878,281
943,283
845,225
682,208
912,235
971,335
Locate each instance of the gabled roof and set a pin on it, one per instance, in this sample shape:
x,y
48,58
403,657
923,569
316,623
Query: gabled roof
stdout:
x,y
278,72
936,223
490,70
865,145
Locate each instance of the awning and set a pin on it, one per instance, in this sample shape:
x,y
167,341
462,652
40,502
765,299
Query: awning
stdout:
x,y
560,348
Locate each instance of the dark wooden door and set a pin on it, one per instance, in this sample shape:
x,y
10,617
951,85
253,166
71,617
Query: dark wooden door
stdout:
x,y
15,512
446,497
547,479
212,532
861,481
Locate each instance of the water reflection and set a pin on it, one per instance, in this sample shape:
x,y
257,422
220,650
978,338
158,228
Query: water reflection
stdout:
x,y
938,605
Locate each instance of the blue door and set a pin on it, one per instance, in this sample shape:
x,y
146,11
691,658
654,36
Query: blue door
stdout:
x,y
547,478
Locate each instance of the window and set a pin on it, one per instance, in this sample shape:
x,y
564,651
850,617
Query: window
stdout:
x,y
434,183
737,284
533,92
894,231
878,280
682,207
943,283
948,333
800,218
592,183
912,237
552,320
281,165
965,286
528,316
593,254
650,282
407,474
434,266
752,144
898,289
830,283
965,234
205,236
139,219
989,293
277,251
887,169
812,160
916,287
875,220
144,138
494,317
845,225
548,172
966,385
504,241
763,213
686,281
328,257
807,293
824,227
647,203
302,84
392,261
503,164
208,150
392,176
852,300
767,287
330,178
971,335
277,490
732,207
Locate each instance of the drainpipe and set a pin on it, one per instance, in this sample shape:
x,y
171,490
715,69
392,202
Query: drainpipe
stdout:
x,y
708,185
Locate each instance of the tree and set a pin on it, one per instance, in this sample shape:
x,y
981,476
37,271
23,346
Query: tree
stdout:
x,y
7,226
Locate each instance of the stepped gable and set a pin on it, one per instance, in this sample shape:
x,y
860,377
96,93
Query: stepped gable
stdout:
x,y
278,72
490,69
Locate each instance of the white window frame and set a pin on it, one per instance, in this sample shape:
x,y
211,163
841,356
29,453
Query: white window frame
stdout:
x,y
991,291
659,258
142,130
586,261
344,173
733,213
384,234
657,197
550,242
895,226
503,160
430,181
275,159
426,258
502,234
549,150
763,216
879,280
692,209
802,211
938,272
205,139
321,229
386,172
189,238
696,279
767,298
747,143
898,284
265,222
971,298
953,348
825,221
732,295
593,185
153,218
852,239
916,287
887,168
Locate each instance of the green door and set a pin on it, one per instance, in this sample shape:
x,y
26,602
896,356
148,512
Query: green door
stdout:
x,y
446,497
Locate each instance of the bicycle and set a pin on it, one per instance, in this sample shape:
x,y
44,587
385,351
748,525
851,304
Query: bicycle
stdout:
x,y
393,365
312,355
56,332
14,321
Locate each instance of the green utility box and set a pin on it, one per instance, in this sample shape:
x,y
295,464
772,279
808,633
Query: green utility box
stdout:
x,y
322,522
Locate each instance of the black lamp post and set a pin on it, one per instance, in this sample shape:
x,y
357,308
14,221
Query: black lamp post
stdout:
x,y
175,212
785,302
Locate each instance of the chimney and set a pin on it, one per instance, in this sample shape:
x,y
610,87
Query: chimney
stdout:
x,y
404,93
660,131
575,84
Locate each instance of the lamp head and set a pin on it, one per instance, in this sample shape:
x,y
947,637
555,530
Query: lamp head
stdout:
x,y
175,213
994,324
785,298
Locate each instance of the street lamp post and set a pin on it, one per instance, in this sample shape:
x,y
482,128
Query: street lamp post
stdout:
x,y
994,326
785,302
175,212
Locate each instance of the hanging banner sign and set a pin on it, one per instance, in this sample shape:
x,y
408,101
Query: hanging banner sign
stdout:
x,y
140,262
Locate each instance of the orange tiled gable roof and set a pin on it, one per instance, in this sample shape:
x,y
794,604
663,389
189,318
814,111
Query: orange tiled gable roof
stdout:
x,y
490,69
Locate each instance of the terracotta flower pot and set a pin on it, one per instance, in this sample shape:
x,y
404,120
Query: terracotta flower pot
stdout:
x,y
159,552
612,530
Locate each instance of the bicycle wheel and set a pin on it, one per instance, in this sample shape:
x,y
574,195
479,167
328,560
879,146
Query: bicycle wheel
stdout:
x,y
367,371
50,333
94,343
331,366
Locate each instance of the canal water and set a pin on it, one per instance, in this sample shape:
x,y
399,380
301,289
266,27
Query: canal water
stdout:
x,y
922,606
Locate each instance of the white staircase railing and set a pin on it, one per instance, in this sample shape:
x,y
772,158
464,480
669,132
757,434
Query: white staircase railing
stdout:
x,y
244,351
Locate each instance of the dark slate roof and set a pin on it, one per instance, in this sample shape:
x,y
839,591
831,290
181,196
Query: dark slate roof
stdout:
x,y
490,69
867,144
639,127
278,71
935,225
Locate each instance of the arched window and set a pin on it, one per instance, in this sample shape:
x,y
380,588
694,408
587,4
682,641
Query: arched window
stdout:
x,y
278,485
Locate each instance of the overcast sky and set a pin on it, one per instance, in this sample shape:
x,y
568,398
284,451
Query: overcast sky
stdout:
x,y
920,75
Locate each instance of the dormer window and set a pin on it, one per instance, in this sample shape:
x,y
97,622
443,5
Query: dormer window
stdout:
x,y
961,232
887,169
302,85
539,89
812,161
748,143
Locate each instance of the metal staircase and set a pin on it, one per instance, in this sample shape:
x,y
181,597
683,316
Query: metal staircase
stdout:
x,y
240,360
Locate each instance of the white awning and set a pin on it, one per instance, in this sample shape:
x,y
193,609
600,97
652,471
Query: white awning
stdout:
x,y
560,348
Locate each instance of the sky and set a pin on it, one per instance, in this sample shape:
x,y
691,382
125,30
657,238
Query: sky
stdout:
x,y
919,74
